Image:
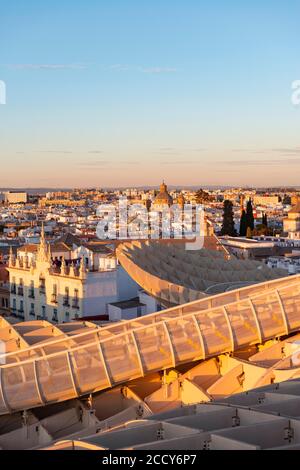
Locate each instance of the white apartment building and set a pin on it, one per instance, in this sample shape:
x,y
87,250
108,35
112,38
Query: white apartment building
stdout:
x,y
14,197
41,289
291,263
263,200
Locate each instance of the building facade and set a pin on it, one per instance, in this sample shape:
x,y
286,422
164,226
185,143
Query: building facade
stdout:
x,y
14,197
266,200
291,224
43,289
4,291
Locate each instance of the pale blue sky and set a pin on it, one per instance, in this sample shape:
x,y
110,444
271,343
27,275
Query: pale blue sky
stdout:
x,y
127,92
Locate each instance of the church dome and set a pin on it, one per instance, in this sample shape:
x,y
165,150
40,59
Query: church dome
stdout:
x,y
163,197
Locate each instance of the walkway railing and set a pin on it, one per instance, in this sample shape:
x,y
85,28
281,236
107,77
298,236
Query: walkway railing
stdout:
x,y
100,358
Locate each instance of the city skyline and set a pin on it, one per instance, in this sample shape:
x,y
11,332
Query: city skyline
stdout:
x,y
112,95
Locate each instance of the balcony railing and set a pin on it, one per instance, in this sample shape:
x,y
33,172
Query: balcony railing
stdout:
x,y
31,294
21,291
66,301
54,298
75,304
32,313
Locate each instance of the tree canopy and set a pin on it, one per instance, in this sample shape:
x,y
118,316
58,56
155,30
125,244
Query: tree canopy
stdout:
x,y
228,221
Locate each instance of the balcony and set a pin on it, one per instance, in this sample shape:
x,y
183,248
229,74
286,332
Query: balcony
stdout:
x,y
21,291
42,290
75,304
66,301
54,298
31,294
32,313
54,319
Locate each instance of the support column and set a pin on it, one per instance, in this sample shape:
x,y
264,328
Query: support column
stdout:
x,y
229,328
138,353
38,388
103,362
200,336
284,317
77,392
170,343
260,336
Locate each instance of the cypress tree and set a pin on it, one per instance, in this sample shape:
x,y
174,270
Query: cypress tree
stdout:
x,y
228,222
243,224
249,215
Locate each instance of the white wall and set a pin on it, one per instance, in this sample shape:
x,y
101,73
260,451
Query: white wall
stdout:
x,y
127,287
99,290
117,314
150,302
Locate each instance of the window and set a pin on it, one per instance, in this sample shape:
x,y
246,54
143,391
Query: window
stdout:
x,y
75,303
31,290
66,301
21,288
67,315
31,310
13,286
42,285
21,309
54,294
43,312
55,318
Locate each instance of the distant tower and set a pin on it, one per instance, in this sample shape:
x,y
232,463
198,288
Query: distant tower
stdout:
x,y
163,187
42,253
181,201
163,197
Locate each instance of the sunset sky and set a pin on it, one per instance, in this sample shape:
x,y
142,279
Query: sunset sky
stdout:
x,y
127,92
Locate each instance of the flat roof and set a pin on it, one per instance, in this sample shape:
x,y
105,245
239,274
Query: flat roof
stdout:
x,y
124,305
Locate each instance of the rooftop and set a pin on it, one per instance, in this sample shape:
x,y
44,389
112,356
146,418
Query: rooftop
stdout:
x,y
175,275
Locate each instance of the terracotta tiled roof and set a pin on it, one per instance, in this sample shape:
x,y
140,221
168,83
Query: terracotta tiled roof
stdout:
x,y
30,248
98,248
69,239
59,246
